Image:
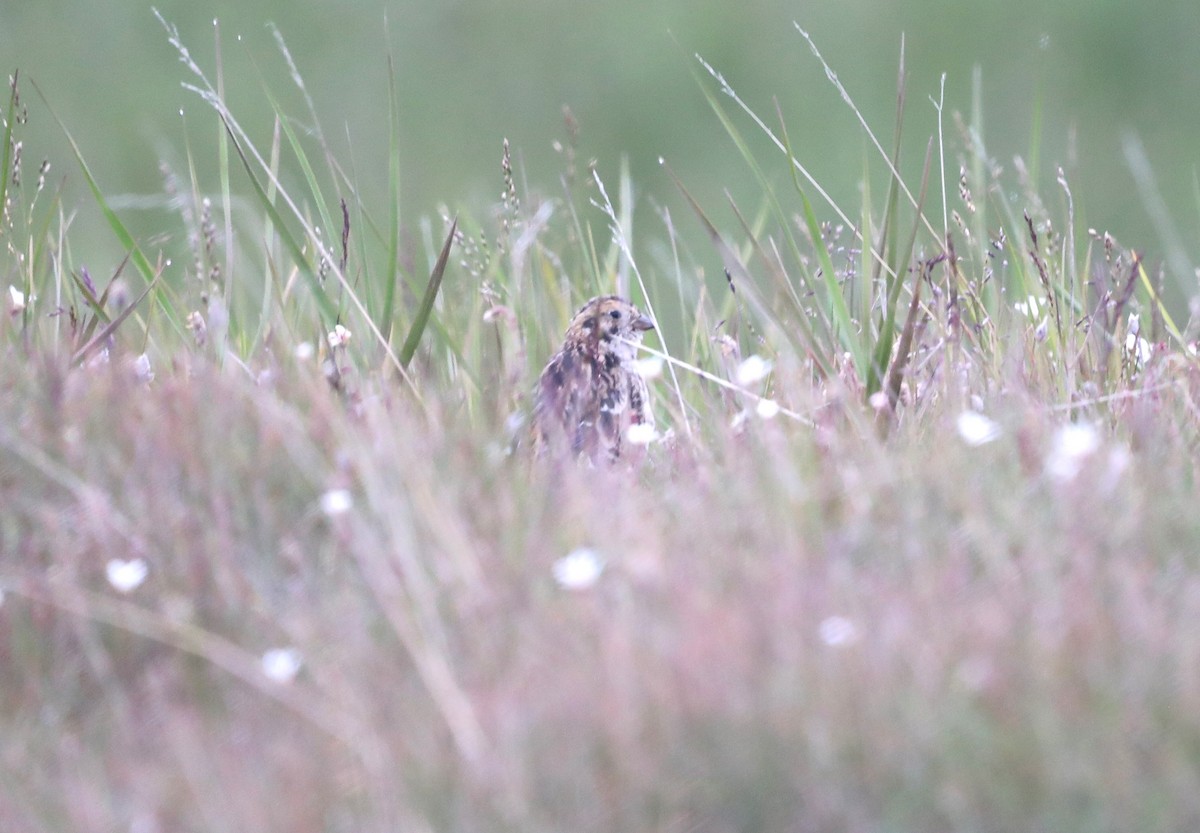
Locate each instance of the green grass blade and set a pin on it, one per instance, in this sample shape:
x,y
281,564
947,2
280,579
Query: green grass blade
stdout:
x,y
883,349
6,151
808,340
729,258
1156,301
904,347
893,191
748,157
391,271
310,177
426,308
96,304
327,309
83,352
836,307
139,259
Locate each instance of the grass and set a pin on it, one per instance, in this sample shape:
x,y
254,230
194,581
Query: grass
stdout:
x,y
259,577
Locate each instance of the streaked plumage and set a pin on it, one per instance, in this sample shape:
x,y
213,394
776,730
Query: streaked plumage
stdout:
x,y
589,392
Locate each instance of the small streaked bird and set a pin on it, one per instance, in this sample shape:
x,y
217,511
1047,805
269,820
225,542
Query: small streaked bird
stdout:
x,y
590,394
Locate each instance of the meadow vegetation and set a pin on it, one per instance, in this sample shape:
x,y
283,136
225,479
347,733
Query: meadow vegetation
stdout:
x,y
915,550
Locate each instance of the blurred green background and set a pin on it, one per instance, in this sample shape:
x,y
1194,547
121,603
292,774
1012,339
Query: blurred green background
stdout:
x,y
1064,83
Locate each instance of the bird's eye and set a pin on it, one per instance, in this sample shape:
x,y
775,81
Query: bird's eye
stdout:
x,y
615,313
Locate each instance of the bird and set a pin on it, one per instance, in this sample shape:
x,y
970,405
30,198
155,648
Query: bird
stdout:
x,y
590,391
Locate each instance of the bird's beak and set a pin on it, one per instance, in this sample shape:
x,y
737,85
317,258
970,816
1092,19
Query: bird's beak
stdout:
x,y
643,322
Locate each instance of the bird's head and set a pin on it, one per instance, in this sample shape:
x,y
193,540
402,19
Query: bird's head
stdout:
x,y
611,323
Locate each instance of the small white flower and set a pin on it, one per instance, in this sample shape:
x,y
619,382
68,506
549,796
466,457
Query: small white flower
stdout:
x,y
142,369
648,368
336,502
282,664
514,422
1031,306
498,312
1139,349
836,631
640,433
339,336
1117,464
100,359
1042,330
752,369
977,429
126,576
199,327
726,345
767,408
1072,445
878,400
17,299
579,569
305,351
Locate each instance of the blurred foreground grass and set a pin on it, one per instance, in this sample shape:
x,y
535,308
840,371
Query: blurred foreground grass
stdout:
x,y
919,552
